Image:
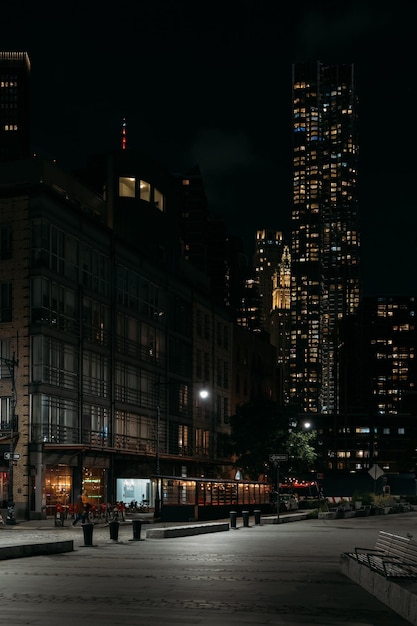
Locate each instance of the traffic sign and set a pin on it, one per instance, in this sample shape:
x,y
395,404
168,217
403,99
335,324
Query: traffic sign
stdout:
x,y
376,472
14,457
275,458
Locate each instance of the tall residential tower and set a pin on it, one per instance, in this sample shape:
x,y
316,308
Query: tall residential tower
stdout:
x,y
325,238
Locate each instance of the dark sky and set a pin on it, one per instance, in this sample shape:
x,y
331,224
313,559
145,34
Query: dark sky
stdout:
x,y
210,83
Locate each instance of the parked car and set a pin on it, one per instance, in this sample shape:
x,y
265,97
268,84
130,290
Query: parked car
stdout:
x,y
288,502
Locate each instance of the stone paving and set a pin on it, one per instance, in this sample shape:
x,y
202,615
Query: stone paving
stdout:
x,y
279,574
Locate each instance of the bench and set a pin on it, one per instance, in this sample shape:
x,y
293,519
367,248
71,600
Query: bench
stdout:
x,y
393,556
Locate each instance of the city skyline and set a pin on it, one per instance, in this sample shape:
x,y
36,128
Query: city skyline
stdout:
x,y
213,87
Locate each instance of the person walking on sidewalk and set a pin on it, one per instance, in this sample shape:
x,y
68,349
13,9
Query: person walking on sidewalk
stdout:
x,y
79,511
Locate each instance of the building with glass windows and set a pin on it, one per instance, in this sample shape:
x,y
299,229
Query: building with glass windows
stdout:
x,y
112,335
324,222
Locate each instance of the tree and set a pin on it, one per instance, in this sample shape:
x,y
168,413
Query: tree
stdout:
x,y
259,428
302,454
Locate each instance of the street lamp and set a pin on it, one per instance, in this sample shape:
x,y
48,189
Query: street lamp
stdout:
x,y
157,504
11,364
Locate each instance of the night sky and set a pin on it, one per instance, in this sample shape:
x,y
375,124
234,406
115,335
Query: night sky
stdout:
x,y
210,83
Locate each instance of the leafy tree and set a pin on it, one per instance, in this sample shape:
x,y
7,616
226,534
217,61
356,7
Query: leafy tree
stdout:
x,y
262,427
301,452
259,428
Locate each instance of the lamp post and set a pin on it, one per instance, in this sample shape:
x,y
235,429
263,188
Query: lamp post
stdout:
x,y
11,364
278,496
157,506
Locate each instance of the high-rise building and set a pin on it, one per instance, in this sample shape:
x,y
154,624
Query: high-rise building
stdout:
x,y
378,366
268,253
207,244
14,106
325,239
280,320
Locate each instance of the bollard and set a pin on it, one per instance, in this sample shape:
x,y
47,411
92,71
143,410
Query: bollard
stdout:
x,y
114,530
137,527
257,515
245,517
233,516
88,534
10,519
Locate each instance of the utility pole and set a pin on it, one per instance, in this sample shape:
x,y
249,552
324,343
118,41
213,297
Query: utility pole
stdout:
x,y
157,507
11,364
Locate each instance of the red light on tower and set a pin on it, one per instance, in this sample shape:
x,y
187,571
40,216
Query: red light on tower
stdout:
x,y
124,134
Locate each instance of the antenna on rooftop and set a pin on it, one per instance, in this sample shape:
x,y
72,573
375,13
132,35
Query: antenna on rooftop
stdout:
x,y
124,134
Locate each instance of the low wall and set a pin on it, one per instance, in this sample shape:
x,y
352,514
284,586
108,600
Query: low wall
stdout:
x,y
183,531
35,549
400,598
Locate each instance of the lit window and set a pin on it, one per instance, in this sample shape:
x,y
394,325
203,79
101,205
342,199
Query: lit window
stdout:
x,y
145,191
126,187
159,199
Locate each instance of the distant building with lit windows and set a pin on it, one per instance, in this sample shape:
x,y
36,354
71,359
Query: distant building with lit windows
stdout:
x,y
378,357
14,106
268,253
324,222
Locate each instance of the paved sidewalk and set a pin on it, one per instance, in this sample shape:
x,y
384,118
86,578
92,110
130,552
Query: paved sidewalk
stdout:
x,y
285,574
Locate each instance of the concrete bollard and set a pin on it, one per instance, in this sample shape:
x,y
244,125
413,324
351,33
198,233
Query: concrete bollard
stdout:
x,y
137,527
88,534
233,517
114,530
245,517
257,515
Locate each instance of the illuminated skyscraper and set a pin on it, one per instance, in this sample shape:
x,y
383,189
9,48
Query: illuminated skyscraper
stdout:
x,y
325,238
268,255
14,106
280,319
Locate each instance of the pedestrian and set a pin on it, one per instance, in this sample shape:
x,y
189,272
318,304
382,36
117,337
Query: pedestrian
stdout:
x,y
86,519
121,509
79,511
